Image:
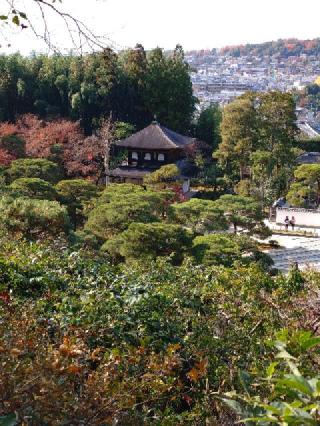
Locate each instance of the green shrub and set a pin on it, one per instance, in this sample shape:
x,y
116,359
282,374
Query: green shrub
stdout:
x,y
14,145
226,249
78,189
79,196
33,218
221,249
143,241
165,173
34,188
243,212
117,209
200,215
290,397
150,340
34,168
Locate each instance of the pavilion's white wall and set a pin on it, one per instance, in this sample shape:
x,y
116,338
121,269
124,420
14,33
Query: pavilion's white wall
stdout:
x,y
303,217
186,186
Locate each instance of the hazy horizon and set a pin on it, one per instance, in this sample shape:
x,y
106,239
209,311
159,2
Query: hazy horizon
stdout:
x,y
194,25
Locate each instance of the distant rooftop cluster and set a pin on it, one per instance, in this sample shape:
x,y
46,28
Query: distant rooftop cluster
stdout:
x,y
221,75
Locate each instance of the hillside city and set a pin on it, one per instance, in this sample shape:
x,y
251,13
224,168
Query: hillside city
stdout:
x,y
221,75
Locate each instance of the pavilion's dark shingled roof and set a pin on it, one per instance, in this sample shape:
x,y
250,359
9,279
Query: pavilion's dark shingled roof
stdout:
x,y
309,158
156,136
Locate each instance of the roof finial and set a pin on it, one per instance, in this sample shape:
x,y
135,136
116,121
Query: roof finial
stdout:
x,y
155,121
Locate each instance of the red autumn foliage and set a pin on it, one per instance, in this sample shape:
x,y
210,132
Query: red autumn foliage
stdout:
x,y
40,135
5,297
290,46
310,44
198,147
179,196
6,157
80,155
55,375
83,157
8,129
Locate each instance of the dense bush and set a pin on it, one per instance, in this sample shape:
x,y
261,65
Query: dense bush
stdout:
x,y
79,190
149,345
243,212
165,173
79,196
224,249
33,218
34,168
34,188
117,209
291,387
200,215
143,242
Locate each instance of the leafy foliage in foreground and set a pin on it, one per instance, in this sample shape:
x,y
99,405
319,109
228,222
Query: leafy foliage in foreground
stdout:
x,y
82,339
289,397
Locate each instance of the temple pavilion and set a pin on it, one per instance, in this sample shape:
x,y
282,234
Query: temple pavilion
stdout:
x,y
148,150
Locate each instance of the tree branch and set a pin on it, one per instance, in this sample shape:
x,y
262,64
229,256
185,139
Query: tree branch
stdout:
x,y
80,34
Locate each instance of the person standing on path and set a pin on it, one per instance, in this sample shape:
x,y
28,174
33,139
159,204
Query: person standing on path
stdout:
x,y
286,222
293,222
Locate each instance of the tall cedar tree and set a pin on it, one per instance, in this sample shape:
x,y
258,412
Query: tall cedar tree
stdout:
x,y
169,93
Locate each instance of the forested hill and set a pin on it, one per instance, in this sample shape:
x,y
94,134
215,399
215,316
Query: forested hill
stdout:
x,y
134,85
282,48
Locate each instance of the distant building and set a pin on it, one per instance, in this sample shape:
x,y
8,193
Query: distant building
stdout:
x,y
309,158
148,150
308,130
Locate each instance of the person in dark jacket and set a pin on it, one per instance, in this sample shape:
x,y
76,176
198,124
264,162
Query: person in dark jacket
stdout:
x,y
286,222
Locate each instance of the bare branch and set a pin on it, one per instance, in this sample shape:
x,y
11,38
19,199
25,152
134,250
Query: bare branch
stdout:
x,y
106,137
80,35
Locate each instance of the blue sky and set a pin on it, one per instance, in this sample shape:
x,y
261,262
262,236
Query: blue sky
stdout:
x,y
195,24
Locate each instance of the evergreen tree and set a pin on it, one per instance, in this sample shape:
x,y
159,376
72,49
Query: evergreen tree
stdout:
x,y
135,68
258,131
169,93
239,135
208,126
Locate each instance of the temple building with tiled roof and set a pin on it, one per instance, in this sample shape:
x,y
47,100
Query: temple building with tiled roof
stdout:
x,y
309,158
148,150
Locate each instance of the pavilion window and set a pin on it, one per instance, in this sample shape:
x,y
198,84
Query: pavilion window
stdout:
x,y
160,157
134,156
147,156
